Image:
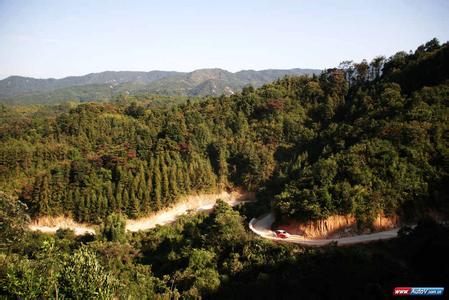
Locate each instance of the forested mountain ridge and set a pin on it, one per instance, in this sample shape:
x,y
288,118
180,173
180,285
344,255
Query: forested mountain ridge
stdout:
x,y
349,141
17,85
104,85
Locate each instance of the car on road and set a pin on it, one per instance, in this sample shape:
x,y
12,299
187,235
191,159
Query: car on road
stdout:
x,y
282,234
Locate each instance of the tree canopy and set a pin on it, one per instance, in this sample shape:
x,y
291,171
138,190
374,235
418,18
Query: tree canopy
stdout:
x,y
363,139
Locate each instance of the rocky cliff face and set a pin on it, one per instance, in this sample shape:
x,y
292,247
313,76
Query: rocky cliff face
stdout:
x,y
334,226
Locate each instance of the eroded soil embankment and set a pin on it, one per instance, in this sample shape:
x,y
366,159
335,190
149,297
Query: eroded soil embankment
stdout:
x,y
185,204
334,226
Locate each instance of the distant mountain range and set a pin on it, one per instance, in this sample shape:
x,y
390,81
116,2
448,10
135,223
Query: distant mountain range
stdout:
x,y
104,85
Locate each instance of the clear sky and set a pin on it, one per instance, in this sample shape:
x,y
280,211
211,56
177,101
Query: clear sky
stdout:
x,y
58,38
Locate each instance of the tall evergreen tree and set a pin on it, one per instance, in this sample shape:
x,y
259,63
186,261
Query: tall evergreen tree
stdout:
x,y
165,181
157,185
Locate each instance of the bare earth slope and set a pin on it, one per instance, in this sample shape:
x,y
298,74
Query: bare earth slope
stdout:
x,y
262,227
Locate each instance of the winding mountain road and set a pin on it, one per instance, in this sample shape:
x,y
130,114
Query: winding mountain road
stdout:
x,y
262,227
191,203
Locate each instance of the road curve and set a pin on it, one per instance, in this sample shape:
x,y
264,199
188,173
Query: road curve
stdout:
x,y
262,227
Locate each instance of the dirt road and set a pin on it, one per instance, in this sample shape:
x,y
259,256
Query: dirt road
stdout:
x,y
262,227
196,203
52,224
201,202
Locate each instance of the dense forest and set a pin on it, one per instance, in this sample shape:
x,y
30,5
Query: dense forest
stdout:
x,y
362,139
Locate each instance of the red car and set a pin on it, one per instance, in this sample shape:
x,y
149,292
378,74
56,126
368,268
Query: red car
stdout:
x,y
282,234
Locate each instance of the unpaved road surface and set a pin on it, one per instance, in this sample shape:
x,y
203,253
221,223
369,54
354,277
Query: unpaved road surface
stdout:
x,y
79,229
262,227
201,202
196,203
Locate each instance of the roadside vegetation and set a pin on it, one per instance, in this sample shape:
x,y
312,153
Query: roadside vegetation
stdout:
x,y
213,257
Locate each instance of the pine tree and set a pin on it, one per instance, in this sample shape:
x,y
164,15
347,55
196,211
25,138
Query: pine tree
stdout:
x,y
35,195
146,202
95,208
149,176
187,182
112,203
223,168
173,180
209,178
130,178
192,166
157,186
105,205
119,197
68,201
102,204
134,208
125,198
79,207
44,197
141,186
87,207
180,177
165,181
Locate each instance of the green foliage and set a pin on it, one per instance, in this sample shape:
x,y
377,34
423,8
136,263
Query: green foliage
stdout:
x,y
188,263
13,220
23,278
65,233
362,139
202,273
113,228
373,151
228,224
82,277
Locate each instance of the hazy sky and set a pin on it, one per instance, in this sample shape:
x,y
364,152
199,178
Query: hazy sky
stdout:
x,y
60,38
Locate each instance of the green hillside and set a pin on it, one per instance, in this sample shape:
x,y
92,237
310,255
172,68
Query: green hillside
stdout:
x,y
104,86
349,141
362,139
